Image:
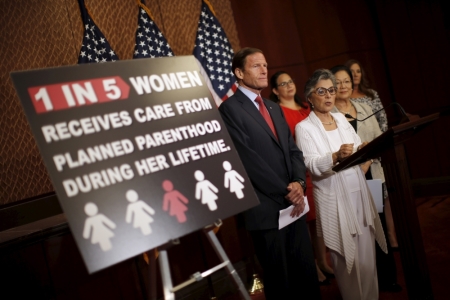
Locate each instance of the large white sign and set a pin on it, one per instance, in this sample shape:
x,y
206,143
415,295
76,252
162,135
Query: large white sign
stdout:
x,y
137,152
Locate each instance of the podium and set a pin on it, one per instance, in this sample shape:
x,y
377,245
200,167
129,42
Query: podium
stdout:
x,y
390,146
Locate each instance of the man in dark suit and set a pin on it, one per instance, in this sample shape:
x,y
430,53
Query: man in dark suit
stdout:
x,y
276,169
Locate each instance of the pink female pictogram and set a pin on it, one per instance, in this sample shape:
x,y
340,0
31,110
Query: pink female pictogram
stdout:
x,y
173,201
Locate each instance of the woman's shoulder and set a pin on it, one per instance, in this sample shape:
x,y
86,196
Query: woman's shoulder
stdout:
x,y
362,107
302,110
288,111
338,116
375,93
305,123
366,98
293,116
306,130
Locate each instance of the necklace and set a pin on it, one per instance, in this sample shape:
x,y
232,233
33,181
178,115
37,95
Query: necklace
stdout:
x,y
328,123
345,113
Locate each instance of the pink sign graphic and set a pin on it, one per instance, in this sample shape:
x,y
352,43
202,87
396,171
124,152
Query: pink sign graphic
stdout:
x,y
173,200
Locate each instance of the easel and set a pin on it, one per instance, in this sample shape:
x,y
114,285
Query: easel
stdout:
x,y
168,288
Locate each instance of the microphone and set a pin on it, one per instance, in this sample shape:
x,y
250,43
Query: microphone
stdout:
x,y
349,116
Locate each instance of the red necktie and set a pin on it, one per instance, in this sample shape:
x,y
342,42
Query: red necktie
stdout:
x,y
265,114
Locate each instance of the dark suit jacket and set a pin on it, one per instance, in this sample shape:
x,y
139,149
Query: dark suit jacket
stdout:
x,y
271,164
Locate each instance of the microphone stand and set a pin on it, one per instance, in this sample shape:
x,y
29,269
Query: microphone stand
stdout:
x,y
348,116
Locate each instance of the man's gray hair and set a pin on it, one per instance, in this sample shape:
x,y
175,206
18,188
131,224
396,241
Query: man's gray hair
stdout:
x,y
318,75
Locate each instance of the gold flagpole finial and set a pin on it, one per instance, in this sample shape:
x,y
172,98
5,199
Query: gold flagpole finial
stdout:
x,y
141,5
210,7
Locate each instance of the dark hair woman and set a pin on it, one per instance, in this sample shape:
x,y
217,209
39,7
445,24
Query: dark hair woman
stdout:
x,y
284,92
362,93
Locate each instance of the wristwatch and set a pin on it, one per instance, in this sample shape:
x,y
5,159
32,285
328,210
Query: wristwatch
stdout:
x,y
302,183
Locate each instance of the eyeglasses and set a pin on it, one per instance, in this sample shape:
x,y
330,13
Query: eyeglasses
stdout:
x,y
285,83
345,82
322,91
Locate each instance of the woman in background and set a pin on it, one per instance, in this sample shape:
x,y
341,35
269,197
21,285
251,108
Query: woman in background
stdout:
x,y
362,93
346,214
284,92
367,130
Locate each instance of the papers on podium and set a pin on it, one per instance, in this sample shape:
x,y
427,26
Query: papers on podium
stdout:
x,y
285,215
376,189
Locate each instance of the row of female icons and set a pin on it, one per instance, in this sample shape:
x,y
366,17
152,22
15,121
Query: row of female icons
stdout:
x,y
98,227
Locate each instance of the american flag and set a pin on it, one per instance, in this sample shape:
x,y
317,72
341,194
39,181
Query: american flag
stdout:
x,y
214,54
95,47
150,42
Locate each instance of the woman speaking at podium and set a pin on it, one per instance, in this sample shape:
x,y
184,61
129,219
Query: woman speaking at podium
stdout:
x,y
346,214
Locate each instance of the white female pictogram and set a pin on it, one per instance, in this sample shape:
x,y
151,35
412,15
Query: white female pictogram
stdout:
x,y
205,191
97,227
139,213
173,199
233,180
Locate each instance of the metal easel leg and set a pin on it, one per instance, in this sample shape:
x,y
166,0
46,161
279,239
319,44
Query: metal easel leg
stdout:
x,y
229,267
152,274
165,275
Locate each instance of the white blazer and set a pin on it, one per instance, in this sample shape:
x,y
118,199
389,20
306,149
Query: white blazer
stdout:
x,y
336,219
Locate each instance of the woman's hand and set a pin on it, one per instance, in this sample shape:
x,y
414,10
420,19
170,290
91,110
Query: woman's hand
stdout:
x,y
365,166
345,151
362,145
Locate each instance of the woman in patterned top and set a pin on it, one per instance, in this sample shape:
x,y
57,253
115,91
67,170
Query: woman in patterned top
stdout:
x,y
363,94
